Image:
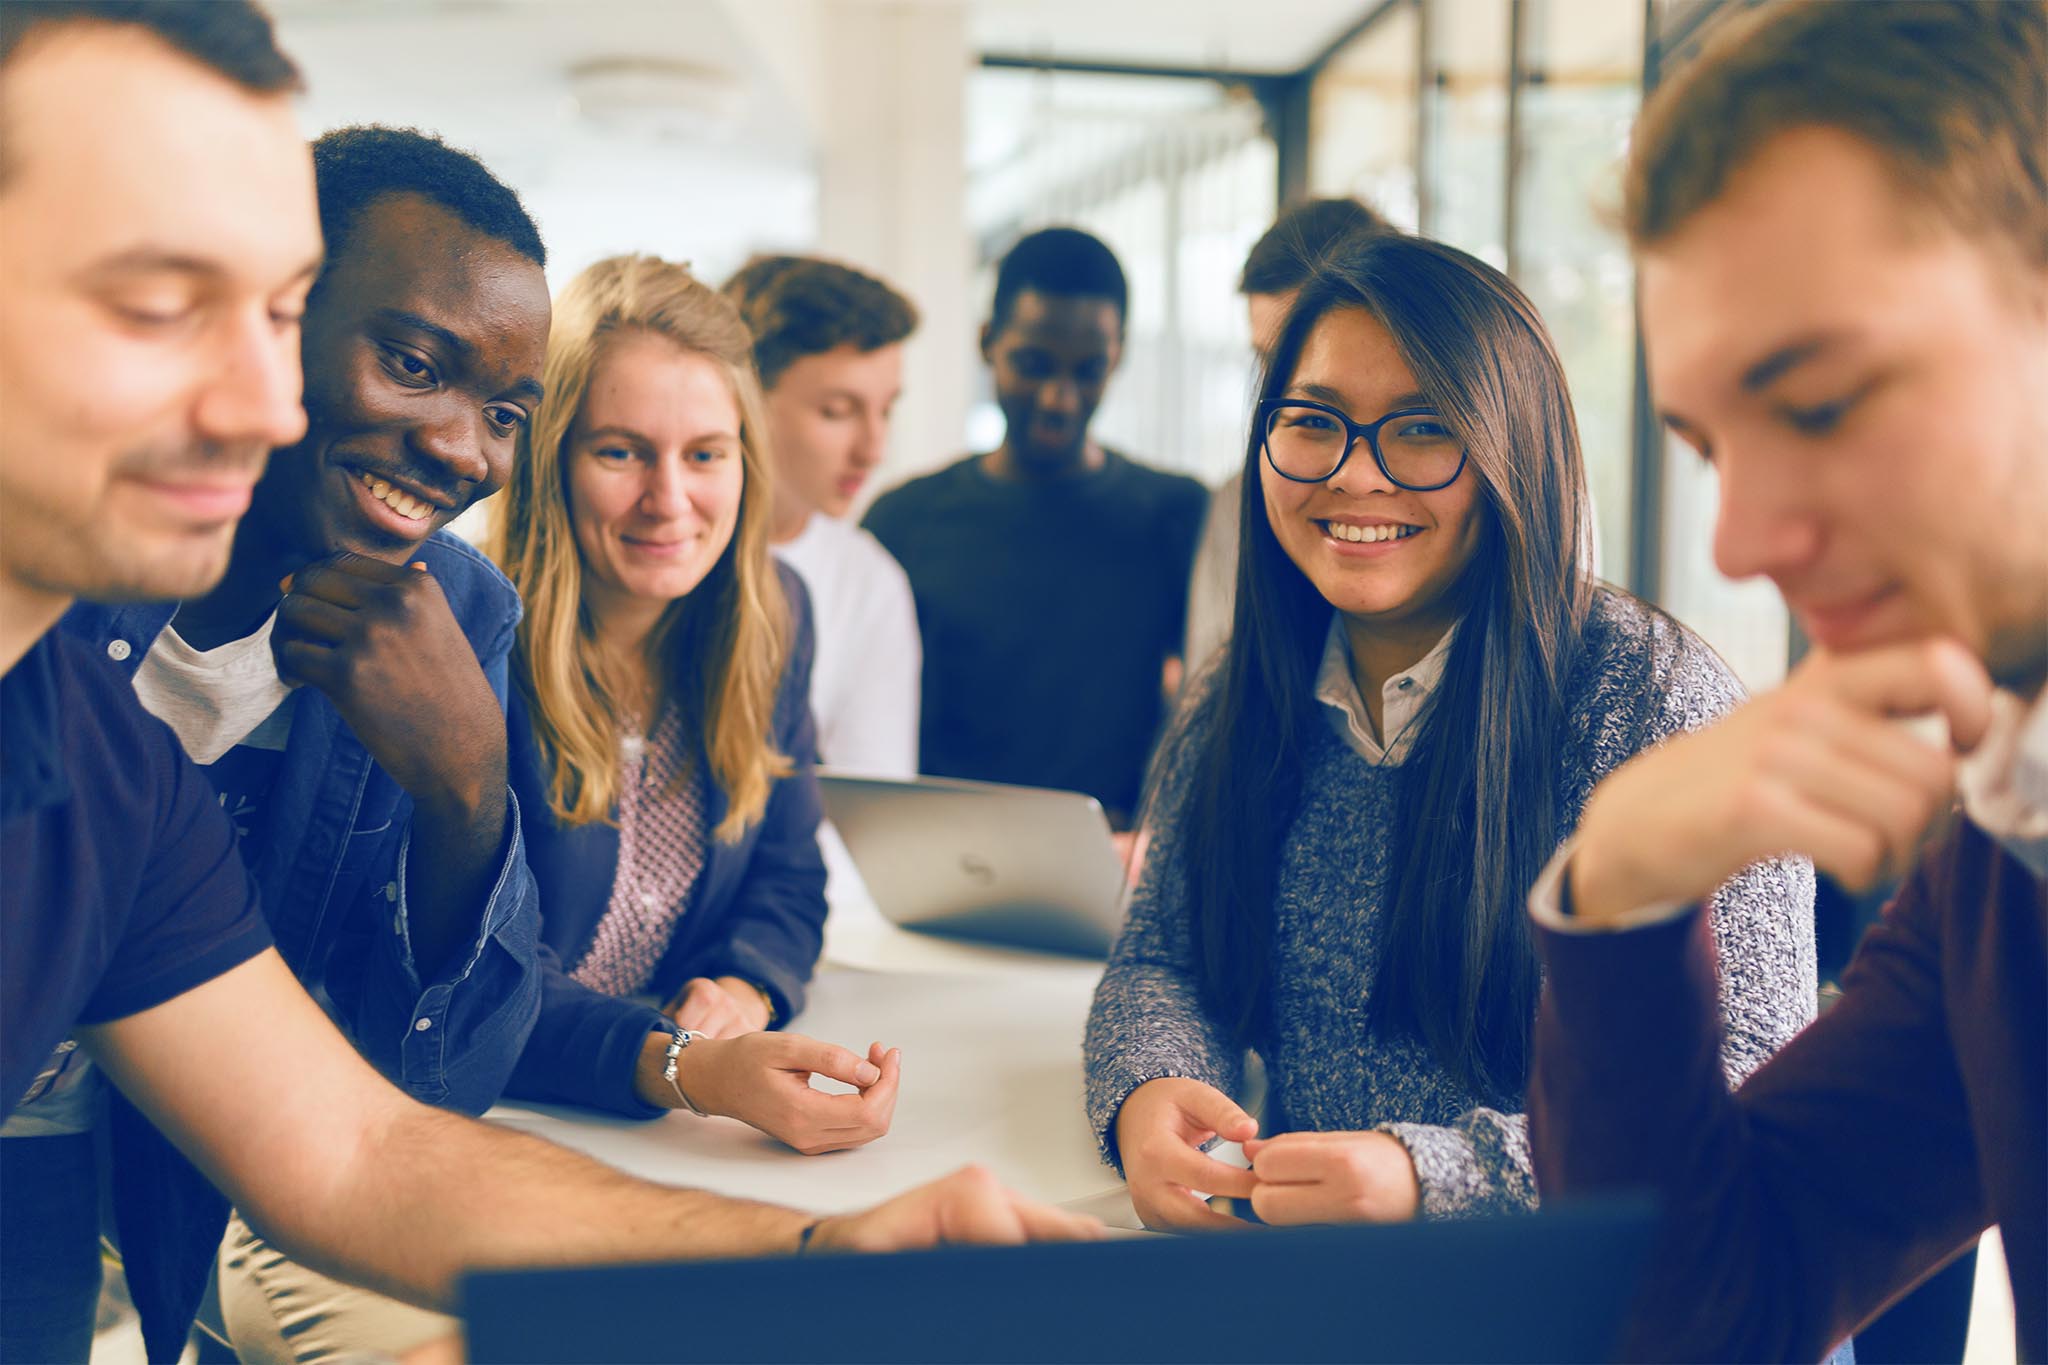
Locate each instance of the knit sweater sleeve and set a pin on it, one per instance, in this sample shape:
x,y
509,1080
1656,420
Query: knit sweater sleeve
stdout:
x,y
1650,679
1148,1019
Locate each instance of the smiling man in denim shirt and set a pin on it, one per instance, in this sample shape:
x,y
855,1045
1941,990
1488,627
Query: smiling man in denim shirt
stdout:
x,y
343,687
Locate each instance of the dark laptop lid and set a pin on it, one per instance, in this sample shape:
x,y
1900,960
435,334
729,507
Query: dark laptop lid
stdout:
x,y
1551,1286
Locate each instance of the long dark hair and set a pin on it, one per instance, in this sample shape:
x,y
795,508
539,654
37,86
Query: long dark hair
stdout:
x,y
1478,792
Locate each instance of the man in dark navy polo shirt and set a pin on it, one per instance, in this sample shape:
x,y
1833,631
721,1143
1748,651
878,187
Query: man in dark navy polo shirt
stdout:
x,y
353,729
157,205
147,365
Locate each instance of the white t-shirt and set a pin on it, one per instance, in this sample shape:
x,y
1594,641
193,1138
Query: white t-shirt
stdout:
x,y
869,663
214,699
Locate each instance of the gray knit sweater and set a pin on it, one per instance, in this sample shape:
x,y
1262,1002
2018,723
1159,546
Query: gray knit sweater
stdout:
x,y
1641,678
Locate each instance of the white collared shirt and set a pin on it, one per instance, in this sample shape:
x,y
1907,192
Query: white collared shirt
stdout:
x,y
2003,783
868,663
1402,697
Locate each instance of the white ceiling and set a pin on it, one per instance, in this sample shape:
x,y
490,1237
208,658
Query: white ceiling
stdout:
x,y
1279,36
493,76
1243,35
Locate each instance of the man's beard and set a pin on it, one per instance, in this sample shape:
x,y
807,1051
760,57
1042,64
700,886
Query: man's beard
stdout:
x,y
102,562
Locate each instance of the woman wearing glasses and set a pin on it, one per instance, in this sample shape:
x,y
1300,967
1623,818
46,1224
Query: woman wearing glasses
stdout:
x,y
1424,682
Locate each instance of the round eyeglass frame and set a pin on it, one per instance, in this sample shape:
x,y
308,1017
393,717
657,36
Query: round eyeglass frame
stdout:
x,y
1352,432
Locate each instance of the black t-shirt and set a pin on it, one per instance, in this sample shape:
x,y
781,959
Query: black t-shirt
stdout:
x,y
1048,612
120,883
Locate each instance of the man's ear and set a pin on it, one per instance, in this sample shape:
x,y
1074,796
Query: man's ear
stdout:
x,y
988,338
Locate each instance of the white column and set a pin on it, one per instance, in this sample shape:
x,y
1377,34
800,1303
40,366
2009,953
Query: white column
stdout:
x,y
892,197
882,86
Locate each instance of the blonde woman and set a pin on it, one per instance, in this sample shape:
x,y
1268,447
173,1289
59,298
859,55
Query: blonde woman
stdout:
x,y
662,747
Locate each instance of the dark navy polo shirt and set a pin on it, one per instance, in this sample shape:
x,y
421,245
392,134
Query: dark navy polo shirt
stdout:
x,y
120,883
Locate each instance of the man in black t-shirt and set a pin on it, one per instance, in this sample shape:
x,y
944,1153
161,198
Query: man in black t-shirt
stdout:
x,y
1051,573
158,212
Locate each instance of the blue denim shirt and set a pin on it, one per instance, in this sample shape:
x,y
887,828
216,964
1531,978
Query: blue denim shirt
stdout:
x,y
329,855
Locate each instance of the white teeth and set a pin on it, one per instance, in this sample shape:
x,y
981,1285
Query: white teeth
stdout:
x,y
396,499
1367,535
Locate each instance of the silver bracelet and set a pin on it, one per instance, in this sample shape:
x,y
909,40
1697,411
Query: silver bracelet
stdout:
x,y
682,1039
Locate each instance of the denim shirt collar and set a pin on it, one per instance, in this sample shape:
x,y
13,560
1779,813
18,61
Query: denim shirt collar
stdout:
x,y
327,786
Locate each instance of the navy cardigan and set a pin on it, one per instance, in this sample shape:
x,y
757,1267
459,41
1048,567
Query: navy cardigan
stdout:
x,y
757,909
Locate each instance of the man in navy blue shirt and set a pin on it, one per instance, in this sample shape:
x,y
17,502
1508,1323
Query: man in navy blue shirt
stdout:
x,y
159,212
354,727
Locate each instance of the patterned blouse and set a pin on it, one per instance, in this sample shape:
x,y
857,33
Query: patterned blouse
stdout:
x,y
661,851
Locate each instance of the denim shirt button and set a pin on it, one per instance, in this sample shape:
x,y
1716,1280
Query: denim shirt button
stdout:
x,y
117,650
391,892
422,1025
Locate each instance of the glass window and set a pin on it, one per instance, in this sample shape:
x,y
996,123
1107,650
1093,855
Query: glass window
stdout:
x,y
1362,119
1465,149
1581,82
1179,177
1747,622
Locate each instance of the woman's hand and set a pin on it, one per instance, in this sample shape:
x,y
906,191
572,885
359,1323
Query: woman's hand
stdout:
x,y
764,1081
1159,1133
1333,1178
724,1007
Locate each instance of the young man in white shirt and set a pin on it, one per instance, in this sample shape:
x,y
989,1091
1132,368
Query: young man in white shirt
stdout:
x,y
828,342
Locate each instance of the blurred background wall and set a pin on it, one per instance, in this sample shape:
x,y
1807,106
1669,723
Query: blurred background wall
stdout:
x,y
919,138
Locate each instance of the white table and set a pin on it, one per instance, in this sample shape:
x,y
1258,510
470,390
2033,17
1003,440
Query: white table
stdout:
x,y
991,1045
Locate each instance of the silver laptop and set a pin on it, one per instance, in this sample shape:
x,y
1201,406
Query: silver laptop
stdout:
x,y
1015,865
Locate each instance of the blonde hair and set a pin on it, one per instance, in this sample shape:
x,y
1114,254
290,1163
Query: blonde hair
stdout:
x,y
721,647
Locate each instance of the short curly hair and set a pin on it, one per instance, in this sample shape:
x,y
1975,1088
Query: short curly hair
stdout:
x,y
1064,263
356,166
804,305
